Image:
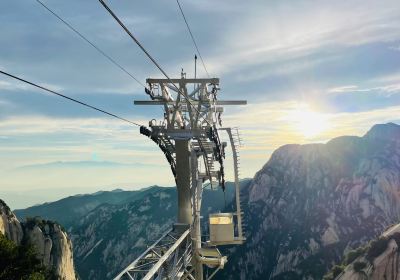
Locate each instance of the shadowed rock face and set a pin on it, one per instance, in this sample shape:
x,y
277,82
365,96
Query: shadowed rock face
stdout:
x,y
310,203
376,262
389,131
52,244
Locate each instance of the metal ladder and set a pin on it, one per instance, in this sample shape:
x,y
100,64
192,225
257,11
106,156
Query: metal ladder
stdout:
x,y
236,143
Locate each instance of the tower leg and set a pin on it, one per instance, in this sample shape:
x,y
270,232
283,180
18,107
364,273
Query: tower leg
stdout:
x,y
183,175
197,239
197,192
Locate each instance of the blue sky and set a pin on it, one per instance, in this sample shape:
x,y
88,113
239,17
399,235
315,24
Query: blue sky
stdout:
x,y
311,70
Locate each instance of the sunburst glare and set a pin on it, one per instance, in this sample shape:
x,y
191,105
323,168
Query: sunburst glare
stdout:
x,y
307,122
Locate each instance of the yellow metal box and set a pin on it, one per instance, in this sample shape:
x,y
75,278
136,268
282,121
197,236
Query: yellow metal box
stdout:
x,y
221,227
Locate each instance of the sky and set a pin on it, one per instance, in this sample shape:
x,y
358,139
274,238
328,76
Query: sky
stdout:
x,y
310,70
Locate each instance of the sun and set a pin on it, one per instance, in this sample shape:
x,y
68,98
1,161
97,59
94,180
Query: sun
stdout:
x,y
309,123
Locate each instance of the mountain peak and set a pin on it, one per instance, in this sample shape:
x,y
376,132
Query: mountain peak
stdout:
x,y
388,131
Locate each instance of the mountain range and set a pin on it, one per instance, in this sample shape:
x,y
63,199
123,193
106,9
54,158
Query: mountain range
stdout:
x,y
109,229
68,210
311,203
305,210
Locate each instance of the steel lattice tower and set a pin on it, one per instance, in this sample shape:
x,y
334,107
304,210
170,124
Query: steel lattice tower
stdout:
x,y
189,137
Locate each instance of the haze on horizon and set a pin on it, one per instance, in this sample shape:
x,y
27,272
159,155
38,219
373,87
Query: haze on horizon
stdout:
x,y
310,71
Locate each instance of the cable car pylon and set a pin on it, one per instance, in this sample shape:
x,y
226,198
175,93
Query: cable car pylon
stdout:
x,y
189,137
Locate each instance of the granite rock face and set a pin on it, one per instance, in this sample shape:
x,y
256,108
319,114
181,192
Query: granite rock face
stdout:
x,y
52,245
374,264
9,224
311,203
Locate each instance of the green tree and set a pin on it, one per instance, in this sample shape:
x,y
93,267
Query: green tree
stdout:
x,y
19,262
358,266
377,247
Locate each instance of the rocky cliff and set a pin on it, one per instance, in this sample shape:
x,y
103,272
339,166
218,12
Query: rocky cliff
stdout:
x,y
311,203
9,224
52,245
376,260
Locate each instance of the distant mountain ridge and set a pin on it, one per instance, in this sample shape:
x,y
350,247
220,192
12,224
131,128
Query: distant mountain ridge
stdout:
x,y
82,164
67,210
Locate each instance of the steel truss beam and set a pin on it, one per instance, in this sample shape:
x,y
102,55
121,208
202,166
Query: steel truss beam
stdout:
x,y
167,258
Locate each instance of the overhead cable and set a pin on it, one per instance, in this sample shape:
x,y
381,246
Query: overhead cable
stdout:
x,y
149,56
191,35
133,38
67,97
113,61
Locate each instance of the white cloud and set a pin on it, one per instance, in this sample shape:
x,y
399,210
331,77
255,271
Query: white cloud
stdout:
x,y
22,125
343,89
265,127
278,32
14,86
388,78
87,178
283,68
386,90
38,140
5,103
395,48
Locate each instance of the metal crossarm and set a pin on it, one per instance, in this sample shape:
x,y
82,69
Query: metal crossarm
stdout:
x,y
218,102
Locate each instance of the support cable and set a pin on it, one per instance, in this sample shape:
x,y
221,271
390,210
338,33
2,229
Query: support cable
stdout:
x,y
133,38
149,56
191,35
67,97
113,61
